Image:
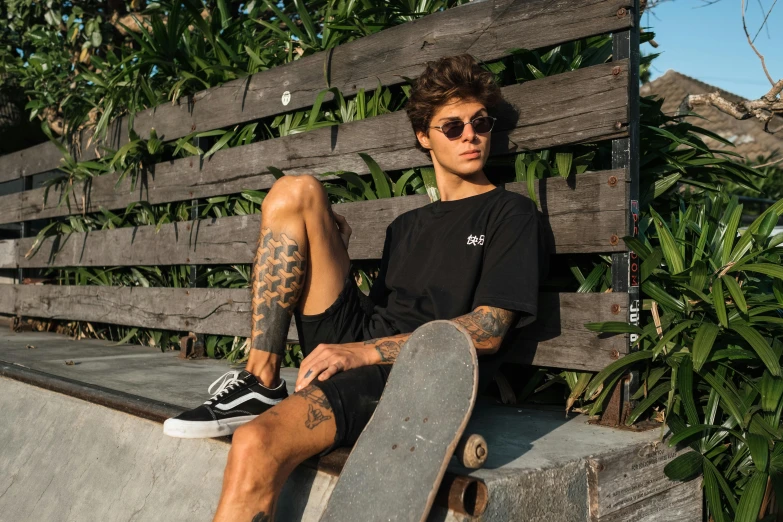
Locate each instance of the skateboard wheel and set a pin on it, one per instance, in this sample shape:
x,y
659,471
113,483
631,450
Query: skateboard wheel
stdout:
x,y
471,451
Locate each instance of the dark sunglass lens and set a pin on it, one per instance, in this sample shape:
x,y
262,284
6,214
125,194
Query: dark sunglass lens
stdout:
x,y
483,124
453,129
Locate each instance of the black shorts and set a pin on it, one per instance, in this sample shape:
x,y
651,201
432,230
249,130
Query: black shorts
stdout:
x,y
354,394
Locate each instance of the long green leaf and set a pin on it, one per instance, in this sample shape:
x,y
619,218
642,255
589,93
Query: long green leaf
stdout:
x,y
766,269
719,302
730,400
745,240
702,345
761,347
383,184
670,335
736,293
652,397
750,501
730,234
712,493
563,160
685,387
219,144
771,390
684,467
617,365
728,492
670,249
759,450
663,298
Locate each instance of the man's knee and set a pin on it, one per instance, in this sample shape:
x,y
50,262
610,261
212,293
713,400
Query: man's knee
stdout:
x,y
294,194
251,442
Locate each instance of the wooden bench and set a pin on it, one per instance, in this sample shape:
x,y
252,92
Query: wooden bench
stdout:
x,y
587,213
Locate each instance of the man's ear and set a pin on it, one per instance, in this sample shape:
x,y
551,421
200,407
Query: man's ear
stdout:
x,y
424,140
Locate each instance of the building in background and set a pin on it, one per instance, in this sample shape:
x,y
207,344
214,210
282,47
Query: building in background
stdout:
x,y
748,136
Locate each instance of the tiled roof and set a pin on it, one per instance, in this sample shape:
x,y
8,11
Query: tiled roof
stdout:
x,y
748,136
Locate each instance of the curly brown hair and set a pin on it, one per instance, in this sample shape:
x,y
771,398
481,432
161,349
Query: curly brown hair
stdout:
x,y
458,76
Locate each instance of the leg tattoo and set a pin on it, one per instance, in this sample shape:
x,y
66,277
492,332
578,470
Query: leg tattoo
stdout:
x,y
278,277
318,407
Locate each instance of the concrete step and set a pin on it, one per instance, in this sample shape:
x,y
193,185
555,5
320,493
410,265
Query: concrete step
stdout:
x,y
89,450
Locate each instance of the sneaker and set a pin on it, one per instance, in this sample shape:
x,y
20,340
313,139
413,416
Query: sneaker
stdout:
x,y
237,398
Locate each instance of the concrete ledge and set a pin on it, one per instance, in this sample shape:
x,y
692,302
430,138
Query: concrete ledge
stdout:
x,y
62,458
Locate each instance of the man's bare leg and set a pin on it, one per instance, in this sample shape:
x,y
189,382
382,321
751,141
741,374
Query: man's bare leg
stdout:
x,y
264,453
298,232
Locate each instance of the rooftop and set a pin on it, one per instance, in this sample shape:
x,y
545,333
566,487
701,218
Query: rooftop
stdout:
x,y
748,136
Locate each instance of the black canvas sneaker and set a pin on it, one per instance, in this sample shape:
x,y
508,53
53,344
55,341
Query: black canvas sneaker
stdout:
x,y
237,398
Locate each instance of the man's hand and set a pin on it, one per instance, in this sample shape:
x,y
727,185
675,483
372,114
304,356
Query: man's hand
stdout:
x,y
486,325
343,227
329,359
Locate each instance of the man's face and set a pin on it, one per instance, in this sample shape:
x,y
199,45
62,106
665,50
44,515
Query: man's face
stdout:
x,y
455,155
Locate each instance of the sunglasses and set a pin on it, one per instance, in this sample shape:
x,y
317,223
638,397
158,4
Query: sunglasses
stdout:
x,y
453,129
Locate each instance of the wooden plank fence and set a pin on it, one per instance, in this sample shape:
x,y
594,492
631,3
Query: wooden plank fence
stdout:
x,y
588,219
551,112
587,213
559,338
487,29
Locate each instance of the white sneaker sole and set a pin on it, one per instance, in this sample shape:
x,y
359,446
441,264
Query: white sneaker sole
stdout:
x,y
204,430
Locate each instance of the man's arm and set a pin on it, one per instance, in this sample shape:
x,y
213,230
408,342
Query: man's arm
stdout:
x,y
486,325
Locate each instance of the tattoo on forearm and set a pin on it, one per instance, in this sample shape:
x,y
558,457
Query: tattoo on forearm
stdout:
x,y
487,325
388,347
262,517
318,407
277,280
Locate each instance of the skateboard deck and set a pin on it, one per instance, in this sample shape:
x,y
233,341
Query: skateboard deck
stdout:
x,y
398,462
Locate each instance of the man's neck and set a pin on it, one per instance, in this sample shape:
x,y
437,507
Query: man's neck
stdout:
x,y
453,186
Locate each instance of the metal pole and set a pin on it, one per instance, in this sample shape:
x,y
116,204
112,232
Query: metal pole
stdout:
x,y
625,155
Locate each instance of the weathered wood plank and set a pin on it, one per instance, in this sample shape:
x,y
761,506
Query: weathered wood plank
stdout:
x,y
227,312
582,218
617,481
559,339
487,30
8,253
7,298
583,105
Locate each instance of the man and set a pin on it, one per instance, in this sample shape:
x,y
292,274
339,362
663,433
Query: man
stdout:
x,y
471,257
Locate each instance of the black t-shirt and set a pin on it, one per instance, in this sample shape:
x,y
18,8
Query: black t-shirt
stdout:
x,y
443,260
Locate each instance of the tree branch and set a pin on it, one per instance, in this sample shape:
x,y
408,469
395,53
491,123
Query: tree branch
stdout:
x,y
750,42
764,109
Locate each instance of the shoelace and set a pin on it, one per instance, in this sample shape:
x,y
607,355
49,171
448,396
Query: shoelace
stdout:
x,y
227,382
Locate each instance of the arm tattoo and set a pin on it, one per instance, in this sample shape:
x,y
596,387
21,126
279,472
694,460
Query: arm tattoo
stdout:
x,y
262,517
277,280
487,325
388,347
317,407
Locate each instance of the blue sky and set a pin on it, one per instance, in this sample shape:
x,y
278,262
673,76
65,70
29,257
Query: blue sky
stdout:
x,y
708,43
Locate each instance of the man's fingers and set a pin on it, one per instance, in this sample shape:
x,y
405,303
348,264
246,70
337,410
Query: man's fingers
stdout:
x,y
310,374
327,373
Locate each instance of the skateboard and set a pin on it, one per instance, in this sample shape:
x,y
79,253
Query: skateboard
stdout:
x,y
398,462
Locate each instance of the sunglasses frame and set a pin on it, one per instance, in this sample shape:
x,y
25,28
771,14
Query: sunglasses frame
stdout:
x,y
464,124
